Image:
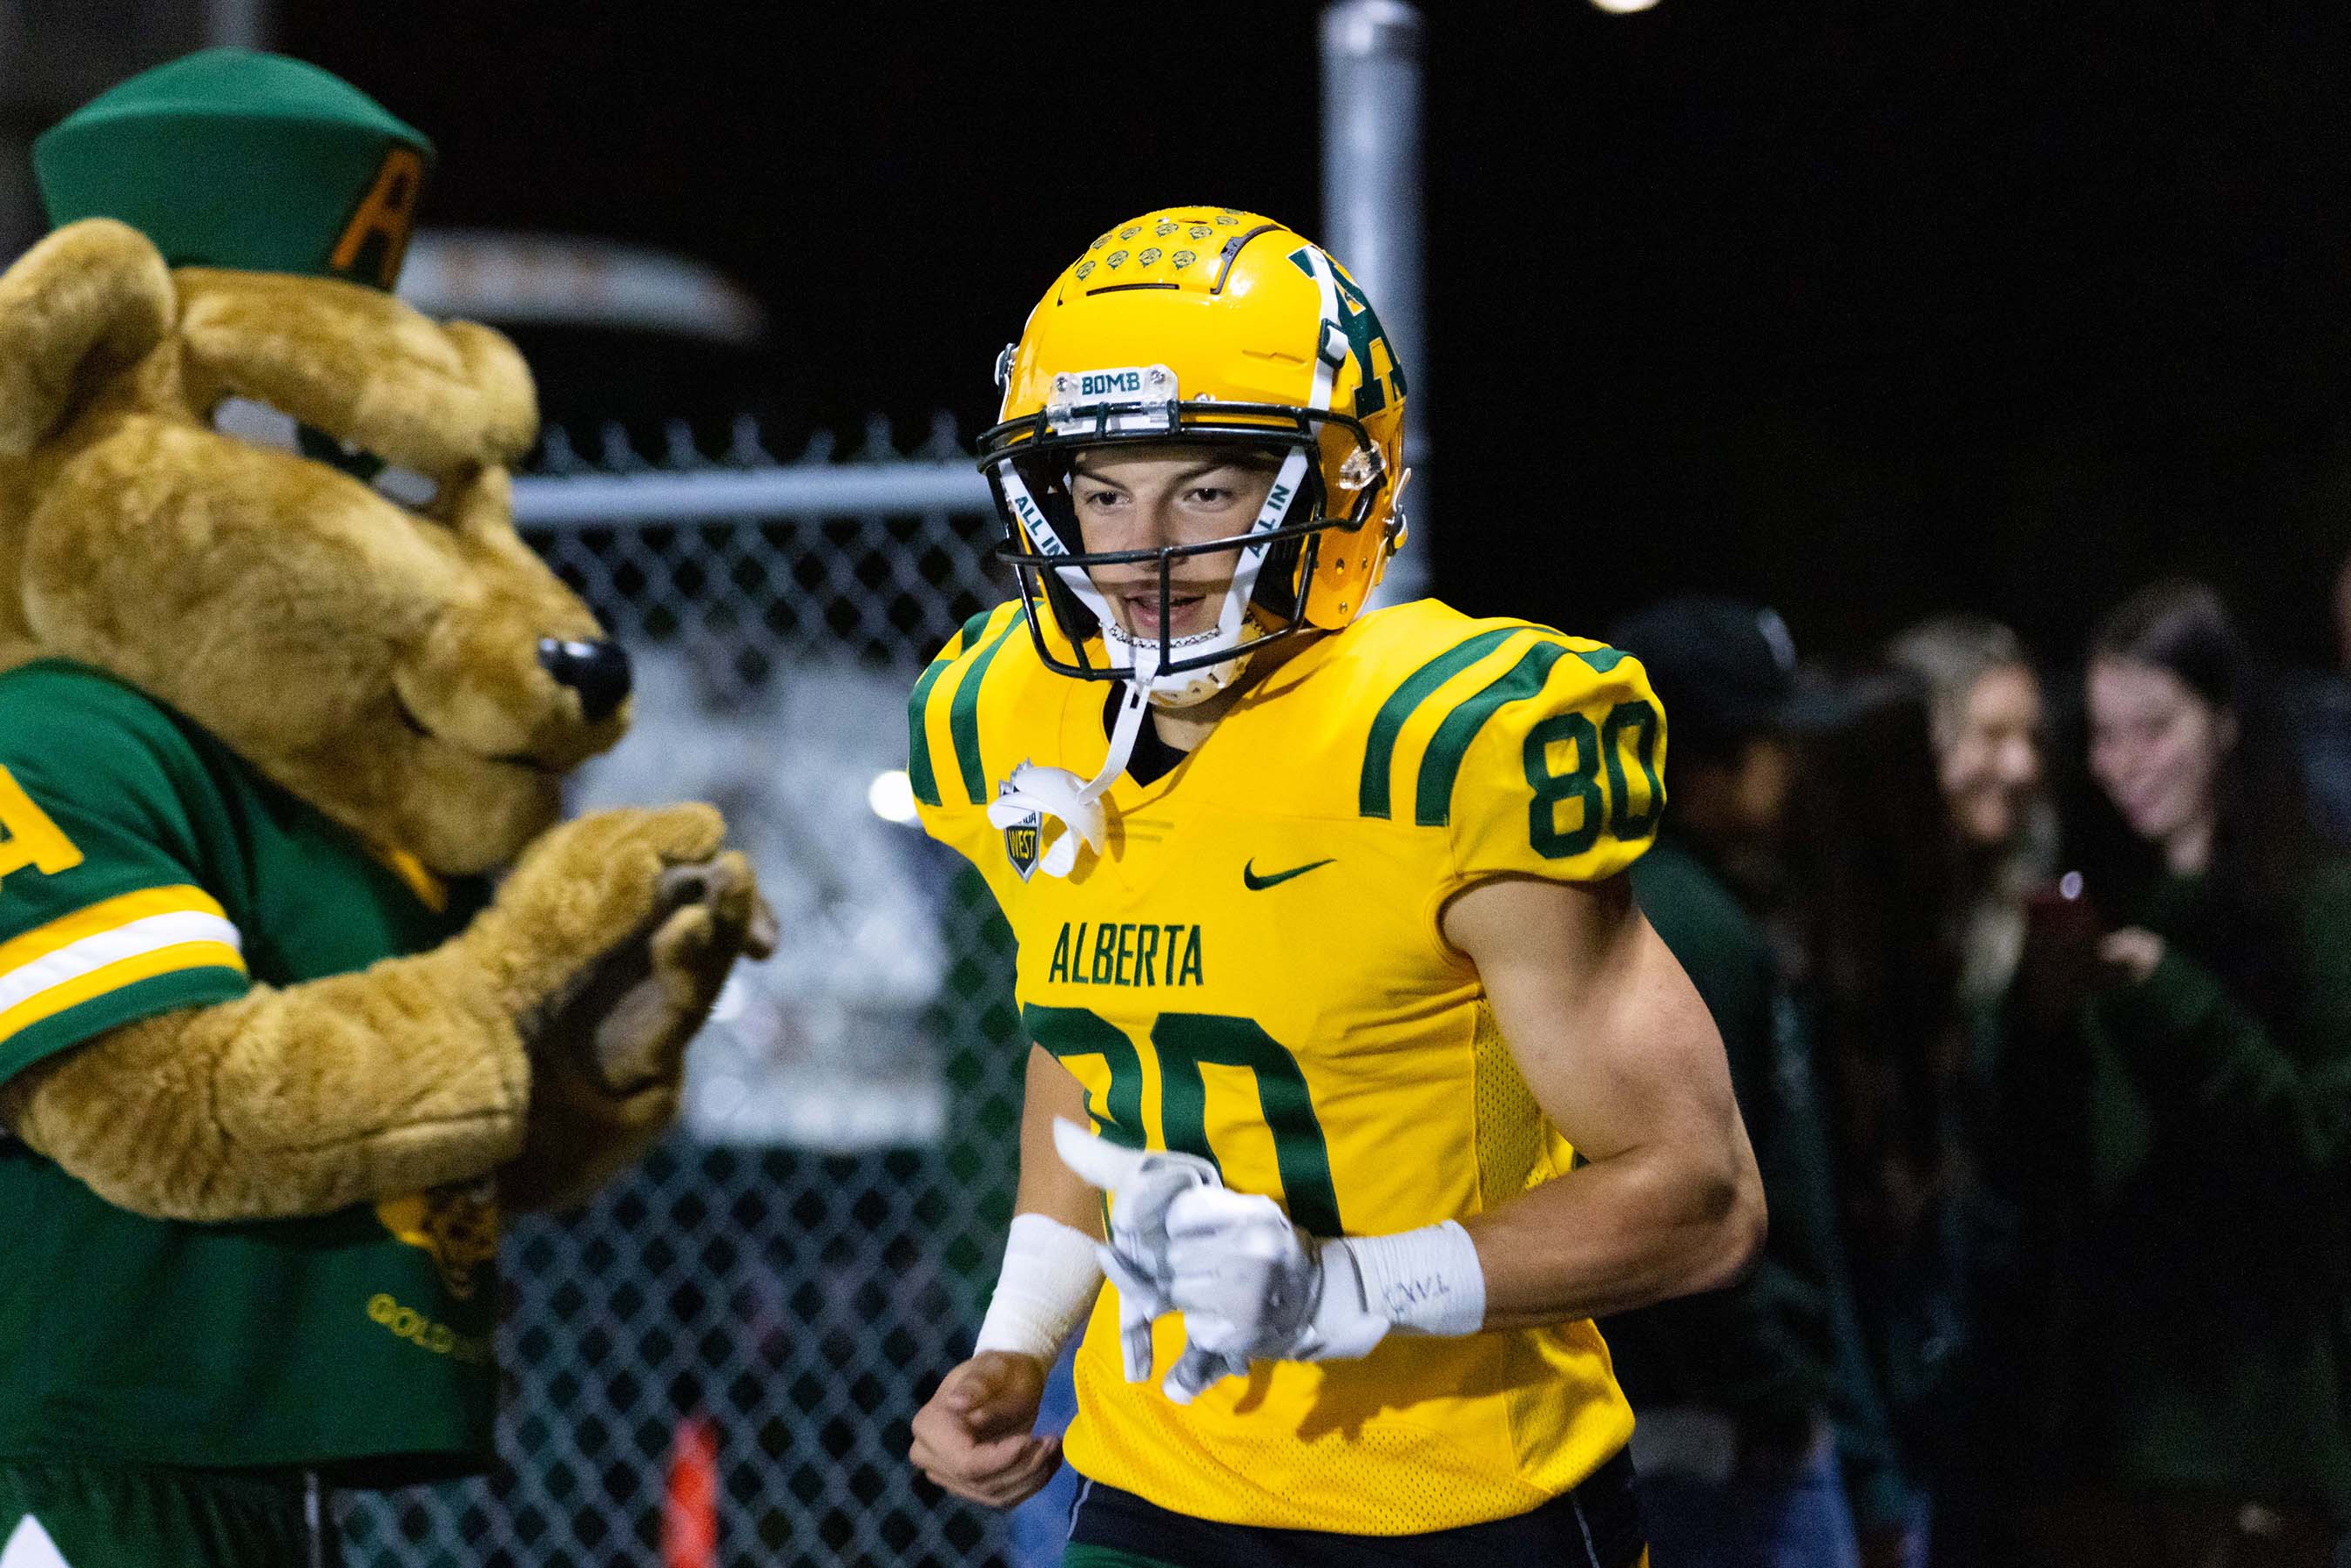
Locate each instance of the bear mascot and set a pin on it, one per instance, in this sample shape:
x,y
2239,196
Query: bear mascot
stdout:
x,y
280,691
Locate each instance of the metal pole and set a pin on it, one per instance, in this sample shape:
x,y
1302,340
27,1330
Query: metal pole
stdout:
x,y
1371,214
236,24
811,491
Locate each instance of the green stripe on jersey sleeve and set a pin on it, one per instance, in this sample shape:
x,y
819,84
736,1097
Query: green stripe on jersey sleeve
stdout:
x,y
918,733
1376,793
1441,764
963,714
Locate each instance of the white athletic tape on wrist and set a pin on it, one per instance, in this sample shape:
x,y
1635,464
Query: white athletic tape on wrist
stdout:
x,y
1046,1287
1425,1282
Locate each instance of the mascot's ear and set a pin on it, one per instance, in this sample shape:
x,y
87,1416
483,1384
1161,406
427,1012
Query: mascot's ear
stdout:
x,y
97,294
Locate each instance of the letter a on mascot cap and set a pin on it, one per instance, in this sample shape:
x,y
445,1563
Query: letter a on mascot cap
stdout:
x,y
322,179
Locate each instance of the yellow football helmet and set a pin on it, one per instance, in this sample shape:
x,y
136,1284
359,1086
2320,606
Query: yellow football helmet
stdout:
x,y
1214,325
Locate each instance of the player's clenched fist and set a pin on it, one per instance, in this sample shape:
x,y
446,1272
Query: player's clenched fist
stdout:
x,y
974,1438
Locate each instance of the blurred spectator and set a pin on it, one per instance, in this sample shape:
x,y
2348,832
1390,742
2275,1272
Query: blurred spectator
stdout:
x,y
2175,1345
1984,704
1933,1226
1738,1392
2322,720
1877,915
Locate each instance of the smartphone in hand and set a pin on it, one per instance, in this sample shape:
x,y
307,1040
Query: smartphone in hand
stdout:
x,y
2059,965
2061,915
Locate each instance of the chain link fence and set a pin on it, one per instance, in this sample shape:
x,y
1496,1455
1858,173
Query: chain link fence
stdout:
x,y
741,1328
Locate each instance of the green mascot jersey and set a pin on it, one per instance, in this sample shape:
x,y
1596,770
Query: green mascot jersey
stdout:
x,y
143,867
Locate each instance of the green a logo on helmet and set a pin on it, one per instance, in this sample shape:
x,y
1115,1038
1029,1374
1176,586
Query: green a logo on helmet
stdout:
x,y
1362,324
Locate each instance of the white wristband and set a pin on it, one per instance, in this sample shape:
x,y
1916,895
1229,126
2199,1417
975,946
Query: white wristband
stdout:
x,y
1424,1282
1045,1290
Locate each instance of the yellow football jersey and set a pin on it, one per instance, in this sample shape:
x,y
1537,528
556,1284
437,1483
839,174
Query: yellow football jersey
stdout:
x,y
1252,970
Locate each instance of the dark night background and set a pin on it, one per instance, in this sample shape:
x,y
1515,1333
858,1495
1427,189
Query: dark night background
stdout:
x,y
1868,310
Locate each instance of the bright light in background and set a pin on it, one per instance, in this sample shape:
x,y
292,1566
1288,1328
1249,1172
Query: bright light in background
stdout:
x,y
1623,7
891,796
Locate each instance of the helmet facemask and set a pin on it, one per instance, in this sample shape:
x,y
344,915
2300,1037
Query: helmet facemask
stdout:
x,y
1274,557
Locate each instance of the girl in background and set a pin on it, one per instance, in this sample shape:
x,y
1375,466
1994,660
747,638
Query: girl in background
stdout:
x,y
1985,723
2170,1364
1985,709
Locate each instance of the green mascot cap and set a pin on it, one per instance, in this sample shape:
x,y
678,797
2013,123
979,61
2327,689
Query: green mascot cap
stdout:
x,y
229,158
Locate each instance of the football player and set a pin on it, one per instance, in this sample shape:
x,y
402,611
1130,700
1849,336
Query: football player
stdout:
x,y
1325,951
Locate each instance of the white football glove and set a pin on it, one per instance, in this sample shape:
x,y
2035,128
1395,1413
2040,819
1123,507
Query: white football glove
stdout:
x,y
1253,1287
1141,1185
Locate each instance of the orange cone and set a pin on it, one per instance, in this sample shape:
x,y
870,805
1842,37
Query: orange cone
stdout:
x,y
690,1506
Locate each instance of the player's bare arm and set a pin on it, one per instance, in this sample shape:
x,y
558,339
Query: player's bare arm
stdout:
x,y
1047,1185
1623,1059
974,1438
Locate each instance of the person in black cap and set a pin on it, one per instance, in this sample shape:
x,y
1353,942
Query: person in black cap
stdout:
x,y
1744,1397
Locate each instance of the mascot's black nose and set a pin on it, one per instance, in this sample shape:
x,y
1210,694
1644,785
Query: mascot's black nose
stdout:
x,y
598,672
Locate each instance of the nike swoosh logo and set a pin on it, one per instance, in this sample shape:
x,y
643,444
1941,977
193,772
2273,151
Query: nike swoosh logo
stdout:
x,y
1256,884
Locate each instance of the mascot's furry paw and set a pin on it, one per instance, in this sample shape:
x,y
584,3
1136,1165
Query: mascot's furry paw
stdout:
x,y
630,1022
586,890
608,1041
